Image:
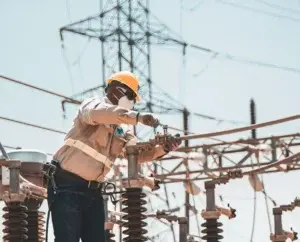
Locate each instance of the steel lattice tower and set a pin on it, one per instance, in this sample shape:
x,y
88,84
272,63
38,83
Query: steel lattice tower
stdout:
x,y
126,30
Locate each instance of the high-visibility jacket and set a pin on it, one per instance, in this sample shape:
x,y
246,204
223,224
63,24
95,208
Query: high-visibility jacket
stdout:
x,y
97,138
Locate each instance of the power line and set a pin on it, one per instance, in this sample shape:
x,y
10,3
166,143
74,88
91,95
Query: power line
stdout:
x,y
243,60
32,125
254,213
266,203
279,7
194,7
219,120
72,100
259,11
253,217
204,116
230,57
259,63
39,89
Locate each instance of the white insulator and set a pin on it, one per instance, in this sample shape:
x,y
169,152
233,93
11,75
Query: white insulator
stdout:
x,y
255,182
122,162
216,150
191,188
197,156
264,148
118,161
178,154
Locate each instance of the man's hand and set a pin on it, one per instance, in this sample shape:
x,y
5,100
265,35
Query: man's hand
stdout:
x,y
172,143
148,119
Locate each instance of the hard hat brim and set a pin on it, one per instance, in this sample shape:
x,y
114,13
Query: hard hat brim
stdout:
x,y
138,98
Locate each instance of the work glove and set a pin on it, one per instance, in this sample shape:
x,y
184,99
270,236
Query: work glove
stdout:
x,y
172,143
148,119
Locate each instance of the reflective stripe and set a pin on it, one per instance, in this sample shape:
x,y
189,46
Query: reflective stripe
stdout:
x,y
89,151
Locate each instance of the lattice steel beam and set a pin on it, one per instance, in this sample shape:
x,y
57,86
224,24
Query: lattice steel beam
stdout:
x,y
245,154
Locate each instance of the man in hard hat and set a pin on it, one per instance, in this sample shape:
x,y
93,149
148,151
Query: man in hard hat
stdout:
x,y
91,146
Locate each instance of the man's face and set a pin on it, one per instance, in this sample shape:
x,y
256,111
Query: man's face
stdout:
x,y
117,90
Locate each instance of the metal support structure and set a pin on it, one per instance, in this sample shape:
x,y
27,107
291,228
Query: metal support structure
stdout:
x,y
182,222
15,224
280,235
133,171
22,220
126,30
186,144
133,199
212,228
269,150
168,205
183,229
133,202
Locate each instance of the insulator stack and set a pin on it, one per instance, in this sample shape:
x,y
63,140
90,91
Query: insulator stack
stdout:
x,y
134,207
212,230
253,117
35,226
15,224
109,236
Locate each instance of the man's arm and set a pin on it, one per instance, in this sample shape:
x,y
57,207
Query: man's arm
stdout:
x,y
94,111
145,156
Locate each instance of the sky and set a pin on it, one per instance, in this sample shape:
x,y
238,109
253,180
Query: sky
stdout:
x,y
30,51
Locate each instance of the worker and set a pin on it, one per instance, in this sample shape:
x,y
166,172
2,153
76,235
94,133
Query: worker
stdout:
x,y
98,136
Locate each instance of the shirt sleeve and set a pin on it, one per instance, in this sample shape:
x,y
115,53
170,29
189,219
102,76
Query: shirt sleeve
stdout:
x,y
144,156
94,111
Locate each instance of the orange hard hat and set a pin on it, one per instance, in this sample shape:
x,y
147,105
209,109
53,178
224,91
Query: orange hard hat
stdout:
x,y
127,78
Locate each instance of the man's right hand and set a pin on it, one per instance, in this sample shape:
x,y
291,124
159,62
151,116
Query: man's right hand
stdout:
x,y
148,119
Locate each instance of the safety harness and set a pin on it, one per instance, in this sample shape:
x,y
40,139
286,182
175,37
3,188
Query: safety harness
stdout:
x,y
89,151
52,169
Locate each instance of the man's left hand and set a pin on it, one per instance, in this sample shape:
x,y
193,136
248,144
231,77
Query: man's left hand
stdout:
x,y
172,143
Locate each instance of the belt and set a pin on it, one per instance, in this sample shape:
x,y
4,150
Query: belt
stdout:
x,y
61,173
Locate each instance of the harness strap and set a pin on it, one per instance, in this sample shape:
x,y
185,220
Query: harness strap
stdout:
x,y
89,151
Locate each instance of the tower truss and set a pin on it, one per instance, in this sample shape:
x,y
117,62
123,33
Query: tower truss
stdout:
x,y
126,30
